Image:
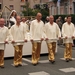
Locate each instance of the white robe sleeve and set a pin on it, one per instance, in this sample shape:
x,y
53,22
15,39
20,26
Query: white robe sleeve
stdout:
x,y
7,35
45,31
58,31
31,30
25,32
11,33
63,29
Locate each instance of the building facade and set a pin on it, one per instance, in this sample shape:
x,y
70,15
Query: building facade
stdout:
x,y
65,7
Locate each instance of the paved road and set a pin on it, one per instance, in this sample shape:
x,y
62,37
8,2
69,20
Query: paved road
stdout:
x,y
44,67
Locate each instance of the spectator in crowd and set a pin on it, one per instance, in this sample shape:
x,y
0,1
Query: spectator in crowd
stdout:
x,y
23,22
12,17
59,21
65,19
47,19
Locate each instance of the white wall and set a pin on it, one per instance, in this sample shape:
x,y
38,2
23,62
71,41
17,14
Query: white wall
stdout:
x,y
27,49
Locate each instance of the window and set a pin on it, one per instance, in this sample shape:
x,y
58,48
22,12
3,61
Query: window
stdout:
x,y
11,0
22,7
0,6
11,7
22,0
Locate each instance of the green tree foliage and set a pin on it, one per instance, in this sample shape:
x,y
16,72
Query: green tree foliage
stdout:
x,y
43,8
55,0
37,8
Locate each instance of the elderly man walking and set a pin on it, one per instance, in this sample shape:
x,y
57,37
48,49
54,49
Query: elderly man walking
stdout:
x,y
4,37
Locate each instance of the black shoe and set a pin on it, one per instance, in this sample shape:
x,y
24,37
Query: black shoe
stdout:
x,y
35,64
16,65
2,66
70,59
52,61
67,60
19,64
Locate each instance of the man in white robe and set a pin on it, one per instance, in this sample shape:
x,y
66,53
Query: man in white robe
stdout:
x,y
68,35
36,31
18,33
52,32
4,36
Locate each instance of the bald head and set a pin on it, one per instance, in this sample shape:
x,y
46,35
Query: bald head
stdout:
x,y
18,20
2,22
18,17
23,19
38,16
51,18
